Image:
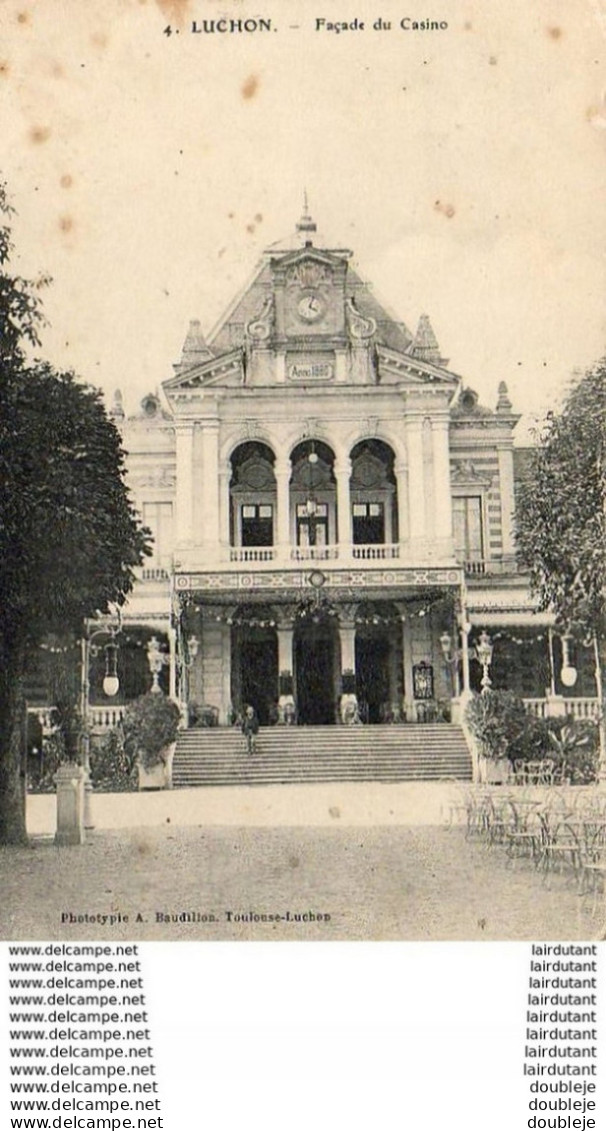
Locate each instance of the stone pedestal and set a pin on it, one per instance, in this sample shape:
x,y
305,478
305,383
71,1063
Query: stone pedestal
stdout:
x,y
69,780
287,713
348,709
555,707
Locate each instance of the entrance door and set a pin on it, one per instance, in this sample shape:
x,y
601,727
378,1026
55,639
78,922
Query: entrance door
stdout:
x,y
372,677
258,661
314,654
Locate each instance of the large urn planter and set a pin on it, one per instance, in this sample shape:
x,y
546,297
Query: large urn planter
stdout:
x,y
150,728
156,774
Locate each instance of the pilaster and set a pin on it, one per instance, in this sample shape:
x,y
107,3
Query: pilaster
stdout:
x,y
184,494
416,479
282,472
441,476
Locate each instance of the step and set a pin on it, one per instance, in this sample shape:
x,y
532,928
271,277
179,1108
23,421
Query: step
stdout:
x,y
322,754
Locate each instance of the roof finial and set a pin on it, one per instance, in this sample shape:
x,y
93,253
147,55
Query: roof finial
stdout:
x,y
306,224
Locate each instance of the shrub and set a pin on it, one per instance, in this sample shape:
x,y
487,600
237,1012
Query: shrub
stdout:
x,y
42,769
498,720
150,724
575,751
111,767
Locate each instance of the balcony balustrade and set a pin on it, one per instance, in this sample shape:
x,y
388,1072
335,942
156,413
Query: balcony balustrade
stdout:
x,y
284,556
578,708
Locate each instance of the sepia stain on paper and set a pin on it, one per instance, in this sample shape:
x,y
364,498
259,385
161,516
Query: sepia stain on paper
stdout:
x,y
66,181
174,10
23,18
334,811
596,115
250,87
555,33
4,69
39,134
446,209
66,224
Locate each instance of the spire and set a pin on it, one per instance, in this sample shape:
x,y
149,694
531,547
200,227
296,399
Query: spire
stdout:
x,y
195,348
306,224
425,345
504,404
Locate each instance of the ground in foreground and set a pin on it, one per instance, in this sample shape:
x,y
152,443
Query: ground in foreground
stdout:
x,y
422,883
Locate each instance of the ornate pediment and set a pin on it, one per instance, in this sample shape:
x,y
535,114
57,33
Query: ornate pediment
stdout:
x,y
403,369
226,370
463,473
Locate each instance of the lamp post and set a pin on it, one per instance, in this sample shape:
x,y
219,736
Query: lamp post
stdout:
x,y
484,650
111,686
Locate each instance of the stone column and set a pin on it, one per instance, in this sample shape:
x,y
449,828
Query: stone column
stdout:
x,y
401,473
282,538
285,641
408,704
184,492
286,701
416,480
210,484
441,477
347,636
343,476
348,705
224,505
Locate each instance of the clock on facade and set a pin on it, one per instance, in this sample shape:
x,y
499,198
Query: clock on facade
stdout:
x,y
311,307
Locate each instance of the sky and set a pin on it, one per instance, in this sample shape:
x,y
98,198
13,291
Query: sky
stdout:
x,y
464,167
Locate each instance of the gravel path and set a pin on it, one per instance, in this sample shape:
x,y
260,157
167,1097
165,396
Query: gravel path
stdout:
x,y
408,883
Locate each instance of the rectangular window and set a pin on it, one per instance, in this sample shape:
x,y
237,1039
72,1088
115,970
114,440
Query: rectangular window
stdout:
x,y
467,528
312,530
257,524
159,518
368,524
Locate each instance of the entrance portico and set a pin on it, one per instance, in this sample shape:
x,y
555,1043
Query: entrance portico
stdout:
x,y
304,636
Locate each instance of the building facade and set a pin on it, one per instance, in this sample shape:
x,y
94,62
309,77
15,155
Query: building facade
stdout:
x,y
332,511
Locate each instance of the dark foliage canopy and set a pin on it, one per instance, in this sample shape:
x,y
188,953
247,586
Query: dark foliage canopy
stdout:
x,y
561,514
69,536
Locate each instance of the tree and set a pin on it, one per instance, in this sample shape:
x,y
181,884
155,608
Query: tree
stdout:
x,y
69,535
561,516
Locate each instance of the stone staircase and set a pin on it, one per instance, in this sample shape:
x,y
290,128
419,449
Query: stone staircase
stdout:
x,y
322,754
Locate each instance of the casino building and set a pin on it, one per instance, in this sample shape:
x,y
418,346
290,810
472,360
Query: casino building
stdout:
x,y
333,516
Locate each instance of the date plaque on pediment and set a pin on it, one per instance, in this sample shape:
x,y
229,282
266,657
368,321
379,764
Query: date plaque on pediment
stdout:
x,y
308,368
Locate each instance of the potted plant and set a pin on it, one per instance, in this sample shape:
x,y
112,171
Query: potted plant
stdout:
x,y
150,727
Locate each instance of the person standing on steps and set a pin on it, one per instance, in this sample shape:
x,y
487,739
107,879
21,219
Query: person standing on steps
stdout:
x,y
250,729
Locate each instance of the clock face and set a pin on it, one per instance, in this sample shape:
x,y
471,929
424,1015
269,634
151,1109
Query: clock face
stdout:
x,y
311,307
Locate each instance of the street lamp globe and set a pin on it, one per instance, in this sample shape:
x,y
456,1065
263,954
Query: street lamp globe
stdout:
x,y
111,685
